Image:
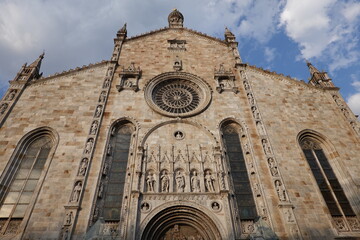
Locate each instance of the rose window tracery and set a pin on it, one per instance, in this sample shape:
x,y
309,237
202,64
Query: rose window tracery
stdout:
x,y
177,94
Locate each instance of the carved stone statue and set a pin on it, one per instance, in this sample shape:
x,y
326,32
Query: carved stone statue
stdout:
x,y
11,95
102,97
195,182
101,190
108,149
246,84
88,146
165,182
209,182
260,128
255,112
94,127
76,192
222,181
280,190
150,181
180,182
273,167
3,108
106,83
83,167
68,219
266,147
98,111
105,169
251,98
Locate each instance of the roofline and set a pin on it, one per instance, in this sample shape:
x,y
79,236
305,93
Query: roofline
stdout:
x,y
183,28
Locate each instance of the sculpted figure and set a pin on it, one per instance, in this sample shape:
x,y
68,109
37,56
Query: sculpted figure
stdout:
x,y
89,145
94,127
98,111
150,180
83,167
255,112
165,182
209,182
11,95
68,219
3,108
106,83
76,192
280,190
102,97
266,146
273,167
195,182
180,182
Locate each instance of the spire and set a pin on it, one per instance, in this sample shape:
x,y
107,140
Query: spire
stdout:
x,y
175,19
318,78
122,33
36,66
229,36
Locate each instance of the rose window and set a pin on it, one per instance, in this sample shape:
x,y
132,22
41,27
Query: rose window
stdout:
x,y
177,96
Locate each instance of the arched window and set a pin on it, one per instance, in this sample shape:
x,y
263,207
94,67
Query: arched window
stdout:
x,y
242,188
330,188
111,187
21,179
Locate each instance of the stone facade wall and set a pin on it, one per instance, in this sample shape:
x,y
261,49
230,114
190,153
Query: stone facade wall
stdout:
x,y
67,105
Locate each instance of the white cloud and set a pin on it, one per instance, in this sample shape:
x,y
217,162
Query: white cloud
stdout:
x,y
269,54
326,30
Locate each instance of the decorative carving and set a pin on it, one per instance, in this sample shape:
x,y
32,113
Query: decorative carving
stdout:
x,y
338,101
180,181
345,112
98,111
289,216
106,83
260,128
150,182
129,78
246,84
266,147
76,192
94,127
177,64
175,19
101,190
105,169
177,45
179,135
165,182
280,190
102,97
83,166
11,95
195,182
251,99
145,207
108,149
257,189
209,182
255,112
89,145
222,181
215,206
225,80
309,144
3,108
354,223
340,224
69,218
273,167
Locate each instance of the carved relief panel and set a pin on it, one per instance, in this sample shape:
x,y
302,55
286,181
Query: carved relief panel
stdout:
x,y
129,78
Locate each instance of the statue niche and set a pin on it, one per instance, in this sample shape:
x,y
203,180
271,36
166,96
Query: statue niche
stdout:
x,y
129,78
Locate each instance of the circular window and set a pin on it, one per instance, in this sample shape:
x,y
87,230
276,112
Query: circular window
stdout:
x,y
177,94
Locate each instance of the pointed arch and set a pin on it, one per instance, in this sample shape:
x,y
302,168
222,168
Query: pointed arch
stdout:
x,y
110,191
232,132
317,151
23,176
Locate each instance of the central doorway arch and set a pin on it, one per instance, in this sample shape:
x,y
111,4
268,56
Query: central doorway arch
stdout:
x,y
181,222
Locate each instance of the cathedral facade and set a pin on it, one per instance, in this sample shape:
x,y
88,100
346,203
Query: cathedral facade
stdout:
x,y
175,137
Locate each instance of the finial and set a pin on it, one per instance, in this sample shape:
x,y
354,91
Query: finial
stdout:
x,y
175,19
42,55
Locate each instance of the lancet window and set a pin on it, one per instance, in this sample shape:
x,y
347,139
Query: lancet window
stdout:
x,y
239,174
21,180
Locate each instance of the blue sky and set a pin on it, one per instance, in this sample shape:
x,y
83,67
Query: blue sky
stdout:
x,y
273,34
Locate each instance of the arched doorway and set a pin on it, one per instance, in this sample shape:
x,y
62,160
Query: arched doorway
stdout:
x,y
181,222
